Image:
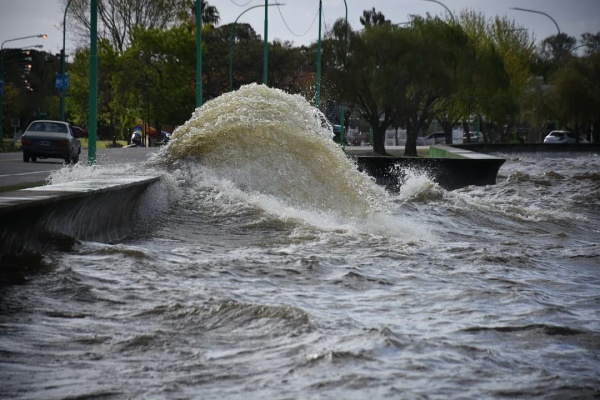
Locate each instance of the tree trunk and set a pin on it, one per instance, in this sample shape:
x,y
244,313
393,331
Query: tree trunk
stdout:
x,y
466,131
447,127
379,141
410,148
413,128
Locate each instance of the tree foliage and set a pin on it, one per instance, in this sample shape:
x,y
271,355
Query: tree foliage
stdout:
x,y
117,19
28,86
373,17
591,42
575,93
456,72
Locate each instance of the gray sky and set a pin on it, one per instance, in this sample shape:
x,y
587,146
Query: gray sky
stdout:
x,y
20,18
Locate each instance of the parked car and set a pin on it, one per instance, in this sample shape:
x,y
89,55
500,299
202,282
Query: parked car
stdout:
x,y
355,137
562,137
50,139
435,138
474,136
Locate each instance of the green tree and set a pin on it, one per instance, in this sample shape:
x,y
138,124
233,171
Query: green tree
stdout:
x,y
575,93
161,74
373,17
210,14
77,103
29,86
503,57
557,48
364,69
439,52
118,19
591,42
552,53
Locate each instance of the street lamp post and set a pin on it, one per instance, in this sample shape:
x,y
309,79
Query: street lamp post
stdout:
x,y
343,127
63,89
318,100
198,53
231,40
42,36
93,97
319,57
319,44
266,43
443,5
346,6
147,126
537,12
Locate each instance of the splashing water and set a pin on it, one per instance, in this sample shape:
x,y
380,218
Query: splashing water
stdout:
x,y
266,141
417,186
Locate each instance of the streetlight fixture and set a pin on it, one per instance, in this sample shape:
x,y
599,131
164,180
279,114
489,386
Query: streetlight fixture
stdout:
x,y
41,36
443,5
35,46
536,12
231,39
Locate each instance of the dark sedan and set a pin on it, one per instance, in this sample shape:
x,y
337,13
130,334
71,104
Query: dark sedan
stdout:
x,y
50,139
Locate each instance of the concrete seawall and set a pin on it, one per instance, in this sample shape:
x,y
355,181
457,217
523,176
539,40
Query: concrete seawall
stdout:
x,y
452,168
531,148
36,219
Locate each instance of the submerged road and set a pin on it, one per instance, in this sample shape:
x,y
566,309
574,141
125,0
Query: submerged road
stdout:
x,y
14,172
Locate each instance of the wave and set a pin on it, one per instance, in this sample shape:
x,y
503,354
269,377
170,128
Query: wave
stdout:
x,y
550,330
260,152
263,157
268,142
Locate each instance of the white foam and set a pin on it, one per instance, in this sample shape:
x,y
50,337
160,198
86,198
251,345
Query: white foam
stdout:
x,y
267,141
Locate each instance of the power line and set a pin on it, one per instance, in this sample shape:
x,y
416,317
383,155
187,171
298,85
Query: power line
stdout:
x,y
283,18
290,30
241,5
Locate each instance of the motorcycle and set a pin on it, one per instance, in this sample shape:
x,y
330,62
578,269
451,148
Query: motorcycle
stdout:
x,y
136,139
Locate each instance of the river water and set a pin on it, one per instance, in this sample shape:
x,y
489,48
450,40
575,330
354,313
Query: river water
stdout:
x,y
264,265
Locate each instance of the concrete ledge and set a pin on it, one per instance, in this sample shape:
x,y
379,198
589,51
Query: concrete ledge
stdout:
x,y
531,148
445,151
449,173
37,218
450,167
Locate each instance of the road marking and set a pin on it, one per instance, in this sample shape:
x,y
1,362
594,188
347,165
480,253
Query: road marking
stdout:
x,y
26,173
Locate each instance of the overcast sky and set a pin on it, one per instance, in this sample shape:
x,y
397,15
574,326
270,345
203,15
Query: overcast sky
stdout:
x,y
297,20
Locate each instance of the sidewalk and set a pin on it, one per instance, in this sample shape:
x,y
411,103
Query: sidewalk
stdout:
x,y
395,151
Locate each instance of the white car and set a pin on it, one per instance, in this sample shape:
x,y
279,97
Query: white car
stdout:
x,y
562,137
50,139
475,137
435,138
